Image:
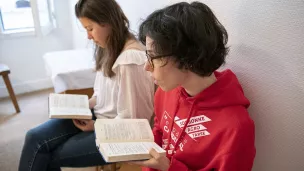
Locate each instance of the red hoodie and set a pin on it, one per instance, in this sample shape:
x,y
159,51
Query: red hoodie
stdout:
x,y
219,135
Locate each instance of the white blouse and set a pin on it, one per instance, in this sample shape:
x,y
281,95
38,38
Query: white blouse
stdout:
x,y
128,94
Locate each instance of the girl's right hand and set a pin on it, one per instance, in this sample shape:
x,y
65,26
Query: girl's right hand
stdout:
x,y
84,124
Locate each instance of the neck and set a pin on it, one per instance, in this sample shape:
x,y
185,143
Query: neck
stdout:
x,y
195,84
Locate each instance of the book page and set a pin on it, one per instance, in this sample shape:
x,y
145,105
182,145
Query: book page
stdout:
x,y
68,104
123,130
69,101
129,148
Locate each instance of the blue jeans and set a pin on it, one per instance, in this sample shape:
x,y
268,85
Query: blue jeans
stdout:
x,y
58,143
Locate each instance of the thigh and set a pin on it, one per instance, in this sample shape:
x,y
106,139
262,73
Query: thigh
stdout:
x,y
52,133
78,151
42,140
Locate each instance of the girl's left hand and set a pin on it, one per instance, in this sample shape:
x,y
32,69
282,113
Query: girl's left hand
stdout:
x,y
158,161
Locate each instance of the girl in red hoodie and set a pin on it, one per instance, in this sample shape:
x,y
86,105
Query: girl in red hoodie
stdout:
x,y
201,114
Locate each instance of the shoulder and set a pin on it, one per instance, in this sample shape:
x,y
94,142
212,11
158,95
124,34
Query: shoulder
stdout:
x,y
235,119
130,56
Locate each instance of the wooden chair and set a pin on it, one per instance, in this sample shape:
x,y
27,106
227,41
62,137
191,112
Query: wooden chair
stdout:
x,y
4,71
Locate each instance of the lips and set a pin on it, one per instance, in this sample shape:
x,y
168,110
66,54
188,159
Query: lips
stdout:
x,y
155,82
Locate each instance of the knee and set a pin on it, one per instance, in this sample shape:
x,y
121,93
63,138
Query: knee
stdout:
x,y
32,136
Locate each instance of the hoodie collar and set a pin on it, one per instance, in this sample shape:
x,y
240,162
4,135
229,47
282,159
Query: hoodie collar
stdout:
x,y
226,91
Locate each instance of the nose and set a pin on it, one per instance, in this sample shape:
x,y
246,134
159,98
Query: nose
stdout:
x,y
147,66
89,36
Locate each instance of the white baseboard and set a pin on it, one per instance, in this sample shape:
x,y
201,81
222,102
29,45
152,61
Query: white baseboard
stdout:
x,y
26,87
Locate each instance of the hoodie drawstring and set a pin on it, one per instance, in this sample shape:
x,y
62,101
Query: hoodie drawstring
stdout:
x,y
183,130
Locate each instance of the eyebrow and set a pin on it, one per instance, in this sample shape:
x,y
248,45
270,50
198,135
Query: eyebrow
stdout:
x,y
89,25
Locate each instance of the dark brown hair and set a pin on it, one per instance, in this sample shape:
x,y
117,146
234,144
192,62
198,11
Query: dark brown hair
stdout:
x,y
106,11
191,33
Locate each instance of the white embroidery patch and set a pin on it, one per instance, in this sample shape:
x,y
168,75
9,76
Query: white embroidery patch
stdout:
x,y
195,128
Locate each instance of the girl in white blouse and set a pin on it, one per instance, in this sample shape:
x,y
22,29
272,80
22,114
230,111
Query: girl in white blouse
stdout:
x,y
122,89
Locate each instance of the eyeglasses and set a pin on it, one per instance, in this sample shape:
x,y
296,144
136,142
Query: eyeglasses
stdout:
x,y
151,58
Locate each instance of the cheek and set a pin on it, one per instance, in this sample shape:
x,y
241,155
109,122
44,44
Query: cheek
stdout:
x,y
104,32
159,74
168,81
169,77
97,35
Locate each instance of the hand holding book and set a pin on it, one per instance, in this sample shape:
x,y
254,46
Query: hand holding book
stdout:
x,y
84,124
158,161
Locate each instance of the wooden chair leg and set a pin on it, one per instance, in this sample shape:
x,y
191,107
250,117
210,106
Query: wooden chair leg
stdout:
x,y
98,168
113,167
11,92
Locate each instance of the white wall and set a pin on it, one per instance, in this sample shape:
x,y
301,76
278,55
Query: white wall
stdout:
x,y
137,10
24,54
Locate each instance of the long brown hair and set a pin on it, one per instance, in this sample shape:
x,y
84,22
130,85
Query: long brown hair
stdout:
x,y
106,11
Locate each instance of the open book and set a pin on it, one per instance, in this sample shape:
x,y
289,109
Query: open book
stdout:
x,y
69,106
125,139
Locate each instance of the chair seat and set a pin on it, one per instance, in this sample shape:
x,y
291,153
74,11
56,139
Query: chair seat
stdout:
x,y
4,68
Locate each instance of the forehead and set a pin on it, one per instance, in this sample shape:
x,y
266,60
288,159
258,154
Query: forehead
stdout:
x,y
85,21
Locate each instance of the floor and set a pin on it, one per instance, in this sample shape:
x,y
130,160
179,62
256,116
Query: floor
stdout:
x,y
14,126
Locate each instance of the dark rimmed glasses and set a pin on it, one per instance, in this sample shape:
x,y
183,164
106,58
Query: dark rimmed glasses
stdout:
x,y
151,58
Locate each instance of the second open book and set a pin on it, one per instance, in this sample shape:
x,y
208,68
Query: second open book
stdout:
x,y
69,106
125,139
